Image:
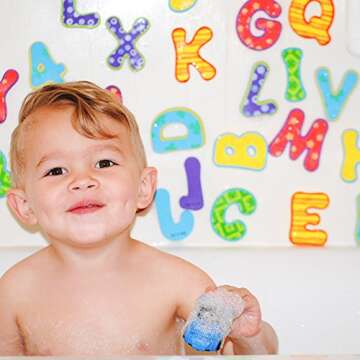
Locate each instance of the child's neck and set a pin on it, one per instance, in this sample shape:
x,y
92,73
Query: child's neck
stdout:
x,y
99,257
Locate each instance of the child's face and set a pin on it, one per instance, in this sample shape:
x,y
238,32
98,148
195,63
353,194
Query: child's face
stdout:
x,y
80,190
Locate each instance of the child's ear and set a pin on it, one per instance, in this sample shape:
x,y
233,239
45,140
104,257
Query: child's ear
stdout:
x,y
147,187
18,203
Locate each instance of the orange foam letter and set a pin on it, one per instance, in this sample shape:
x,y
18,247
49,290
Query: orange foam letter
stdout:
x,y
300,218
318,26
188,54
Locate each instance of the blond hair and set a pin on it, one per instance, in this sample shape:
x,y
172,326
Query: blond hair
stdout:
x,y
88,100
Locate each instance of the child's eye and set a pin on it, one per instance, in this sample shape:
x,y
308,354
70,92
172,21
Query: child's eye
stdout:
x,y
56,171
105,163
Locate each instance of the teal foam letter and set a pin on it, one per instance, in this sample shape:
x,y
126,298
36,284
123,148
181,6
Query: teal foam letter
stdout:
x,y
170,229
43,69
193,139
334,103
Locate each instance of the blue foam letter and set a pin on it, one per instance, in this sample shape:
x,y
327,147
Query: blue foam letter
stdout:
x,y
43,69
195,133
170,229
335,103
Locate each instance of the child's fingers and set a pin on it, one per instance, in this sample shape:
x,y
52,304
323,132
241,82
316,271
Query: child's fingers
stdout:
x,y
210,288
228,288
243,292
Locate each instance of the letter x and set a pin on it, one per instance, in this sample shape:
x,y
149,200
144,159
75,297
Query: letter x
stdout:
x,y
127,43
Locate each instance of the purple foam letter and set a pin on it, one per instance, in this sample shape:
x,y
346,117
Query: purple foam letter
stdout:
x,y
194,199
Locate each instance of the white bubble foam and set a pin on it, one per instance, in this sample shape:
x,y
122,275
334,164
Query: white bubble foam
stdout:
x,y
216,310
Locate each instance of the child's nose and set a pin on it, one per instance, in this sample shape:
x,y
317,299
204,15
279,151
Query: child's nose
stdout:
x,y
84,183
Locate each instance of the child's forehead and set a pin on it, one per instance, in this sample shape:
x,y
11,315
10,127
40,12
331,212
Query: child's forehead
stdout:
x,y
44,118
48,117
47,134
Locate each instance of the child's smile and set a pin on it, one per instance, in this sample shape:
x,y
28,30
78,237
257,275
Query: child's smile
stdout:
x,y
85,207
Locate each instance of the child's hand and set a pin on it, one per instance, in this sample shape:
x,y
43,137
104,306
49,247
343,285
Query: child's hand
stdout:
x,y
249,322
249,334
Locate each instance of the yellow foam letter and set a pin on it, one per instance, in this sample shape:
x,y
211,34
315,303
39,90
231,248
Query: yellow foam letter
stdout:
x,y
318,26
181,5
351,155
188,54
300,218
232,150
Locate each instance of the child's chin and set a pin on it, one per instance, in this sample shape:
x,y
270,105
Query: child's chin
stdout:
x,y
88,241
88,236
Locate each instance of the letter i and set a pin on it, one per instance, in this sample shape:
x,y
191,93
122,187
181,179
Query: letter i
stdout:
x,y
194,199
292,59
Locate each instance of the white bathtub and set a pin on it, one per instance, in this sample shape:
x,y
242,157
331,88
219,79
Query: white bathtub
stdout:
x,y
310,296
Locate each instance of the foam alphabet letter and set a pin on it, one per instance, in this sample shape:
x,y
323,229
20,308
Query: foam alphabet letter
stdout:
x,y
247,151
235,230
291,132
43,68
335,103
170,229
351,155
7,82
127,43
195,132
292,59
194,199
71,18
271,29
300,218
188,54
318,26
357,227
5,181
116,92
251,106
181,5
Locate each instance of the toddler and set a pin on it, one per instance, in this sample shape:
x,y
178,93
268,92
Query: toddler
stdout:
x,y
79,175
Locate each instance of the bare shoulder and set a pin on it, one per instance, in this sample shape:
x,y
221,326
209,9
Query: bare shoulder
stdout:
x,y
20,276
186,280
16,290
183,270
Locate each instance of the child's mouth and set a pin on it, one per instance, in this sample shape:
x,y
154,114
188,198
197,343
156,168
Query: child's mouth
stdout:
x,y
85,207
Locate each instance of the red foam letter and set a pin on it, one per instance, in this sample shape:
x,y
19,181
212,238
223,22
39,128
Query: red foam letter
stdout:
x,y
291,132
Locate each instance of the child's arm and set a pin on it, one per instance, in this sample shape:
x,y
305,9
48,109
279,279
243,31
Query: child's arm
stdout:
x,y
10,338
249,334
191,282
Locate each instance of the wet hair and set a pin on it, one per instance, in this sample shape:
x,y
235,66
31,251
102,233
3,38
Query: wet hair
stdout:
x,y
88,100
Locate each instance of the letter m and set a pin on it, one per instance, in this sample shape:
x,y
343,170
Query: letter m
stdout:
x,y
291,133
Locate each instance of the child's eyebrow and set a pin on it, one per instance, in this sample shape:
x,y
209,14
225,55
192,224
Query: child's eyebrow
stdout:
x,y
93,148
104,147
54,154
